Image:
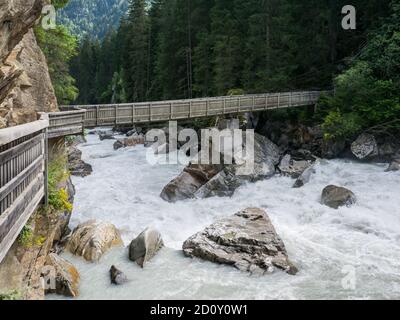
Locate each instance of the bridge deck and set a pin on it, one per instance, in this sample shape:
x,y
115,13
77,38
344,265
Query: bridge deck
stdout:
x,y
129,114
23,149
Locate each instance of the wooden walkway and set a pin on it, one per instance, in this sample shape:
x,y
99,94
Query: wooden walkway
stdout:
x,y
133,113
23,149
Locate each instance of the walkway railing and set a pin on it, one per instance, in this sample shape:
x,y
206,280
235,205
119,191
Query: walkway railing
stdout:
x,y
129,114
66,123
23,177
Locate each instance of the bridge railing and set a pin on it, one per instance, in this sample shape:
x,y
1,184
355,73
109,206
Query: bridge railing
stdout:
x,y
23,177
128,114
66,123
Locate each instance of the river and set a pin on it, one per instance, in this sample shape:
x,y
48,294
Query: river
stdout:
x,y
350,253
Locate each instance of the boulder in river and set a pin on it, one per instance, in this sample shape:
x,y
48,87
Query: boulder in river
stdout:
x,y
336,197
129,142
305,177
365,147
246,240
203,181
293,168
145,246
66,276
394,166
117,276
93,238
106,136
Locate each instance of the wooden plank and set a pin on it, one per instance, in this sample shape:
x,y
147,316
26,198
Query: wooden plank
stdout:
x,y
11,185
8,135
17,150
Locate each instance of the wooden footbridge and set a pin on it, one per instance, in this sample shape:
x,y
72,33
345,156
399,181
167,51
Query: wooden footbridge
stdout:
x,y
24,152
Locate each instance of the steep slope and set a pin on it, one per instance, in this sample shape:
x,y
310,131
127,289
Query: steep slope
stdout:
x,y
25,85
92,17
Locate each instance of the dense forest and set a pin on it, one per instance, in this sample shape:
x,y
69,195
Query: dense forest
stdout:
x,y
93,18
173,49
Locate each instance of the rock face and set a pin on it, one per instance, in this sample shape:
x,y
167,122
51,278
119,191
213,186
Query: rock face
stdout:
x,y
67,277
365,147
203,181
336,197
117,276
25,85
145,246
92,239
246,240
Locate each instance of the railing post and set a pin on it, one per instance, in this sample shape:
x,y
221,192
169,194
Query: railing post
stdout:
x,y
190,108
170,110
151,118
46,167
224,105
279,100
97,115
133,113
116,114
266,101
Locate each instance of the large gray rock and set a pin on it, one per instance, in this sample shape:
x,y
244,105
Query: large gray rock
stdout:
x,y
293,168
246,240
117,276
336,197
202,181
66,276
394,166
92,239
145,246
365,147
305,177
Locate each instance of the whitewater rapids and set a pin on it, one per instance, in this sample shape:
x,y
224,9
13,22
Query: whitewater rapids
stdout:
x,y
350,253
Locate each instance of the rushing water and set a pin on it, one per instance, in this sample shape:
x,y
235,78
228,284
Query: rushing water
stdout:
x,y
333,249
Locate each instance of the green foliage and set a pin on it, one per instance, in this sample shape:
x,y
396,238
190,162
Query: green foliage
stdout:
x,y
58,197
13,295
59,47
25,238
367,94
235,92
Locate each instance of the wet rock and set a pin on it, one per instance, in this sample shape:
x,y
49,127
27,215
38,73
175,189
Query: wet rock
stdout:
x,y
117,276
106,136
66,276
202,181
92,239
335,197
76,165
394,166
246,240
331,149
293,168
145,246
188,182
365,147
129,142
305,177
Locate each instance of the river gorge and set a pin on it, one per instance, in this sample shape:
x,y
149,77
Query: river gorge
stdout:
x,y
349,253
